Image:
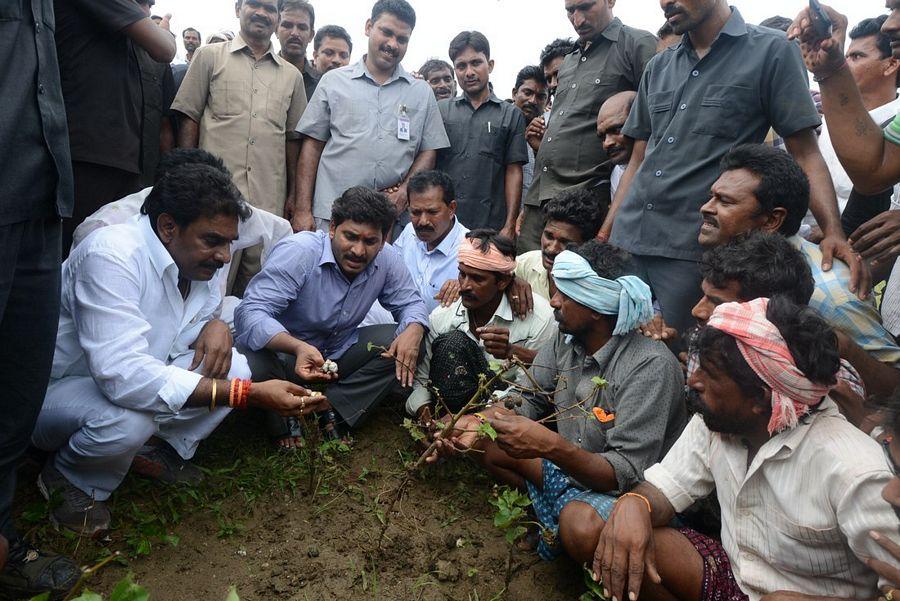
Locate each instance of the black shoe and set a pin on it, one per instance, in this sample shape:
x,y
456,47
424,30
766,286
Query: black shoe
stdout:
x,y
162,462
30,572
76,511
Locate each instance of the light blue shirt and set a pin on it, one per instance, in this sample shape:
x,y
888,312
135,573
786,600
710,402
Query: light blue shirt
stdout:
x,y
430,269
302,290
358,120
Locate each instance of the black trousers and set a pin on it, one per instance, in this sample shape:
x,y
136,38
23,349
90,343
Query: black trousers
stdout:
x,y
366,378
95,186
29,316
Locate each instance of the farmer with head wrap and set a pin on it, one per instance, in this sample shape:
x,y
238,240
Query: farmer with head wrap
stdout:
x,y
800,488
602,402
478,328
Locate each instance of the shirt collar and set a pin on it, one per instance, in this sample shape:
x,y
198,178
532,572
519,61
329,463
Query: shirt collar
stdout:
x,y
503,312
786,442
238,44
734,27
491,98
327,255
360,70
449,244
611,33
159,255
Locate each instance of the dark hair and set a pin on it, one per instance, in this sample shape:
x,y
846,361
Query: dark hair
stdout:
x,y
889,406
555,49
777,22
197,31
469,39
401,9
580,207
811,341
332,31
606,260
530,72
782,182
488,236
190,192
188,156
423,180
872,27
364,205
665,31
432,65
764,264
303,5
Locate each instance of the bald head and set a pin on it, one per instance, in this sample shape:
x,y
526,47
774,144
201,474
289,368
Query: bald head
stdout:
x,y
610,120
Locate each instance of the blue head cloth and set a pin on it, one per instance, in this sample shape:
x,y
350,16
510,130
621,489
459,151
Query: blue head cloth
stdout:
x,y
628,296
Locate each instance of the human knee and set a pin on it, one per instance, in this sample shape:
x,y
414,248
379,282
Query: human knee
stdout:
x,y
240,367
120,431
579,530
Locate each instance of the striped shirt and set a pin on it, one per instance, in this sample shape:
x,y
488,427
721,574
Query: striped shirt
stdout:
x,y
843,310
799,517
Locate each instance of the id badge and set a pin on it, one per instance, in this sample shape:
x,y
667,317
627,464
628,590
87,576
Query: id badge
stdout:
x,y
403,127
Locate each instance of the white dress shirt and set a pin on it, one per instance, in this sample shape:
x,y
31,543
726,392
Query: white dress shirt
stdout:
x,y
536,330
123,319
799,517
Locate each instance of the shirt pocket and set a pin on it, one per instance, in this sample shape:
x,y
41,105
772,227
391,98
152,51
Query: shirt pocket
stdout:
x,y
277,105
596,89
660,106
721,111
228,98
802,549
492,144
10,10
350,117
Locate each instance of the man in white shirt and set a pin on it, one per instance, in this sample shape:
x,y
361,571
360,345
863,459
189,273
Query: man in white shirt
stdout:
x,y
875,72
478,328
799,486
140,351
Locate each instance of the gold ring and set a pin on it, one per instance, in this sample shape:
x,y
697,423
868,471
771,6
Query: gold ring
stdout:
x,y
302,404
890,595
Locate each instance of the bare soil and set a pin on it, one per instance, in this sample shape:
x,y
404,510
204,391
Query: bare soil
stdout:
x,y
255,524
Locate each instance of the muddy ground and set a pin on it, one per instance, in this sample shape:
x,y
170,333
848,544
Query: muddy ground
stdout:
x,y
267,524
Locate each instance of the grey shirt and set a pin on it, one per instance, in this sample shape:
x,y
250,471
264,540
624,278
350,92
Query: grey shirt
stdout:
x,y
358,120
691,111
571,154
483,142
645,394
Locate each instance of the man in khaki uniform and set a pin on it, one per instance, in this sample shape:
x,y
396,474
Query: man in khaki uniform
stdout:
x,y
241,102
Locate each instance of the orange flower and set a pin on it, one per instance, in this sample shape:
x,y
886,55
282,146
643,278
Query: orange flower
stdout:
x,y
602,416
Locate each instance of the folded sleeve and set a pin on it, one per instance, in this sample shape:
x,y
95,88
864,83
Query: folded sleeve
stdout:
x,y
684,475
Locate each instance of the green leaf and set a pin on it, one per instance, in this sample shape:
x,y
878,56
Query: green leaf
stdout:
x,y
472,572
495,367
232,594
599,382
594,589
370,347
172,539
487,430
413,430
87,596
514,534
127,590
41,597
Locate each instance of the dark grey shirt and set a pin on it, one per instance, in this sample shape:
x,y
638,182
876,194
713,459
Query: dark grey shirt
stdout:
x,y
483,142
35,165
691,111
571,154
645,394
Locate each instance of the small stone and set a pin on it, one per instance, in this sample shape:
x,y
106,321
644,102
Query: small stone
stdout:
x,y
446,571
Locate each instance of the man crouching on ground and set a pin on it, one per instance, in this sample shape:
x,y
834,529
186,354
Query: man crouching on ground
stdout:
x,y
140,352
614,396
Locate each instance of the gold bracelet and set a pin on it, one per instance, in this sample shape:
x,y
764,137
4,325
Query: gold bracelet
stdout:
x,y
212,404
639,496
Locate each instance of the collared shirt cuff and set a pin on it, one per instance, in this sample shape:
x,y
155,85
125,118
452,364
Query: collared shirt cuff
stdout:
x,y
662,479
417,399
260,335
180,385
407,321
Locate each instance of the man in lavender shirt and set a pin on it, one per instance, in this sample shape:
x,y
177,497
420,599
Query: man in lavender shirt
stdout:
x,y
314,290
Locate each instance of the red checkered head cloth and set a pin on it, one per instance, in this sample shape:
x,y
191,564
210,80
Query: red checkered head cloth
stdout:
x,y
763,347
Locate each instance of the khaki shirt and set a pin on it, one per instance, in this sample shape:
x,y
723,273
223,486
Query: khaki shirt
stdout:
x,y
247,109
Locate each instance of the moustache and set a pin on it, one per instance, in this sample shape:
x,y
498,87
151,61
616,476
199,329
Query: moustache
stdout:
x,y
212,265
424,228
467,296
388,50
711,221
354,259
671,12
557,315
260,20
615,150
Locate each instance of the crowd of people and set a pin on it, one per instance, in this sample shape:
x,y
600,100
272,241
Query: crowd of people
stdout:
x,y
654,285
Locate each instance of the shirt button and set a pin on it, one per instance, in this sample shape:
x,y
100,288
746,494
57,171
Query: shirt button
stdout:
x,y
573,85
579,441
252,141
583,58
695,73
658,173
562,112
255,91
650,206
37,28
671,140
683,106
549,139
249,168
545,169
253,115
596,81
40,88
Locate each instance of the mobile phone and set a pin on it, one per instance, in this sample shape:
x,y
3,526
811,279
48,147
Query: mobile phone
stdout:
x,y
820,21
